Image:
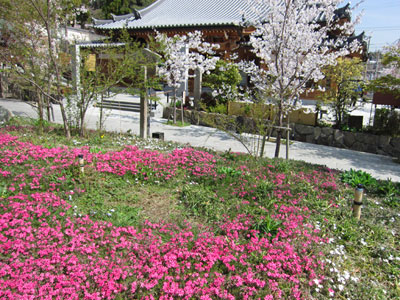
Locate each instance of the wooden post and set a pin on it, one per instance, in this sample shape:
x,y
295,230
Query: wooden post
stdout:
x,y
144,110
81,162
358,195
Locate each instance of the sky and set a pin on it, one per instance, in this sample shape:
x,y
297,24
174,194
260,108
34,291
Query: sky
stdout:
x,y
380,21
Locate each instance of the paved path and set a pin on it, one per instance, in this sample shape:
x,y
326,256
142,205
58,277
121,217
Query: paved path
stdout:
x,y
379,166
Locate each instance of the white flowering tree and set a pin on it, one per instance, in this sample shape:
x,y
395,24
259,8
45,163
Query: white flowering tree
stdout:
x,y
37,53
293,41
182,54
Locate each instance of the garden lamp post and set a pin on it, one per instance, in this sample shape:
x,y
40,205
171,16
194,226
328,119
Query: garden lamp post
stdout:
x,y
81,162
358,197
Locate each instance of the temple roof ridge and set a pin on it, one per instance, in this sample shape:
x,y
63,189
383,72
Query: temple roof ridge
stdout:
x,y
185,13
196,13
135,14
101,22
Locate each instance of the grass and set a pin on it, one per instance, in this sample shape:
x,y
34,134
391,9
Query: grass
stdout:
x,y
361,258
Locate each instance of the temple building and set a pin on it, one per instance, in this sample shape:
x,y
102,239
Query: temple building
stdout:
x,y
223,22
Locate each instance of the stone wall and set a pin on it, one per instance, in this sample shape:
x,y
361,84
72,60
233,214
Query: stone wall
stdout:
x,y
365,142
377,144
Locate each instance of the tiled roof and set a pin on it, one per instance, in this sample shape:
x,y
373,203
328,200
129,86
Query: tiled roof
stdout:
x,y
97,22
185,13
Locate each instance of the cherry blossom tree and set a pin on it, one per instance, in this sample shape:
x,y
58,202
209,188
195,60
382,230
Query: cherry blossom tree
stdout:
x,y
293,40
181,54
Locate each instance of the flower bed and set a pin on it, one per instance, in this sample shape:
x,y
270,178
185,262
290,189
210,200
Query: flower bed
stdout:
x,y
256,241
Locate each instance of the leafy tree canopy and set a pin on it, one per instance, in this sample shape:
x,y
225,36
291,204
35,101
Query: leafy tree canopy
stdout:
x,y
390,82
344,86
225,77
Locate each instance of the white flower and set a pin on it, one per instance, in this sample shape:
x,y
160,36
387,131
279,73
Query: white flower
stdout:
x,y
297,58
179,59
346,275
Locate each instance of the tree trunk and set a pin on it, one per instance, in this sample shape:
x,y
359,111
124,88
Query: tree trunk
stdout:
x,y
47,102
2,84
174,106
82,127
287,138
271,128
101,113
82,112
279,131
339,118
40,111
67,130
183,99
264,139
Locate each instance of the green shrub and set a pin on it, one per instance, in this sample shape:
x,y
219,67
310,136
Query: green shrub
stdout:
x,y
225,77
177,104
356,177
228,171
387,122
267,226
390,192
218,109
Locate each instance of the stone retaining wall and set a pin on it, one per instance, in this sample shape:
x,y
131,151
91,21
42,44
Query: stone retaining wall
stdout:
x,y
377,144
365,142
